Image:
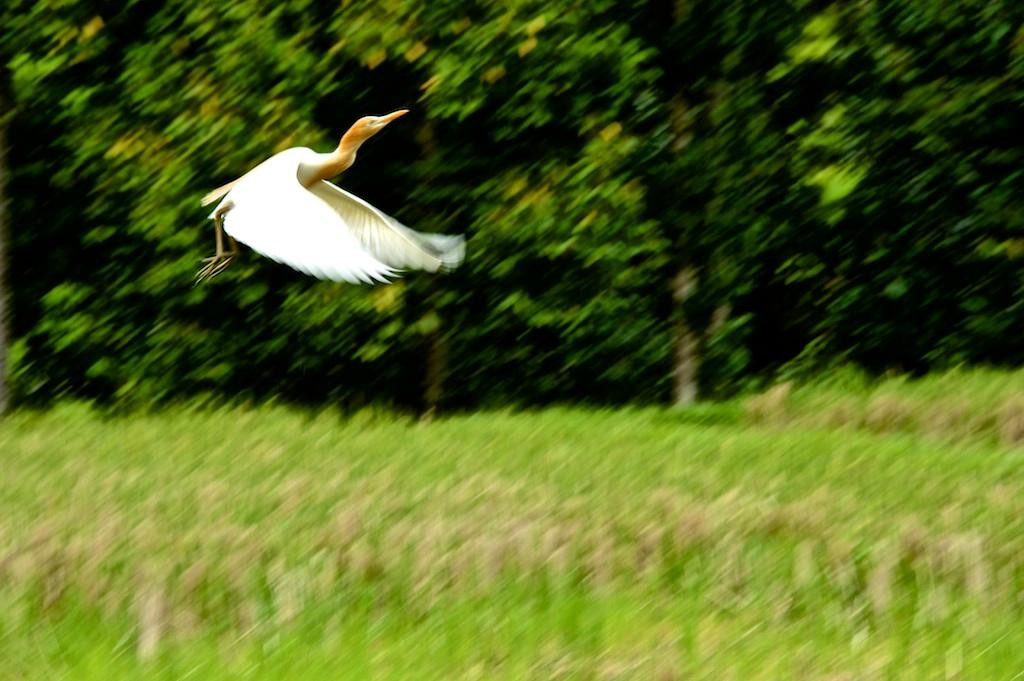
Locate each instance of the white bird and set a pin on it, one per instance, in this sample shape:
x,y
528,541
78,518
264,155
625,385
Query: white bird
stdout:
x,y
286,209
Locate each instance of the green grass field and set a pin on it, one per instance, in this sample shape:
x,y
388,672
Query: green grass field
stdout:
x,y
841,531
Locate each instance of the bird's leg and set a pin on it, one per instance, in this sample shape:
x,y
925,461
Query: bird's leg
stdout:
x,y
220,260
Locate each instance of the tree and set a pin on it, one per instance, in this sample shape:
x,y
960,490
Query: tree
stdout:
x,y
663,200
5,390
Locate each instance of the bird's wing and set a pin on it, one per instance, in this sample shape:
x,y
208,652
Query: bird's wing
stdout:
x,y
276,216
387,239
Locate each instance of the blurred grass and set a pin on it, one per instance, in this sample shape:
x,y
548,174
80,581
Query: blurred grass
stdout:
x,y
754,540
959,406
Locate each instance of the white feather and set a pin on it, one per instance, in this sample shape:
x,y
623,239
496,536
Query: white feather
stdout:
x,y
325,231
387,239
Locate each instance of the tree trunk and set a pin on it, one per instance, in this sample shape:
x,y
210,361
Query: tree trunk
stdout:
x,y
686,341
5,388
437,368
718,319
686,354
437,346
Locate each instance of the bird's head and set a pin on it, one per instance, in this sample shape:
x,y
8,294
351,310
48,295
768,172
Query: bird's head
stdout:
x,y
368,126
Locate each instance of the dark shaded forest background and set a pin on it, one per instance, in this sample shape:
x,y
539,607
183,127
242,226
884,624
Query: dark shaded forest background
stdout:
x,y
662,199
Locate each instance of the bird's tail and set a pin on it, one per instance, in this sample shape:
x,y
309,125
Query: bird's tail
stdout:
x,y
217,193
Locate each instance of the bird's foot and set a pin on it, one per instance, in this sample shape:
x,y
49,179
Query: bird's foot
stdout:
x,y
214,265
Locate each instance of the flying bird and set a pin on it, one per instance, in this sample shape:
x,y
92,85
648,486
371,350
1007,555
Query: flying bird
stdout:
x,y
286,209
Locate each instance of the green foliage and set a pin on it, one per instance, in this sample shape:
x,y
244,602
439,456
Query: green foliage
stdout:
x,y
844,179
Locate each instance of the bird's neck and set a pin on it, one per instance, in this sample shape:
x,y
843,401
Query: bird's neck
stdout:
x,y
342,158
333,163
345,154
338,161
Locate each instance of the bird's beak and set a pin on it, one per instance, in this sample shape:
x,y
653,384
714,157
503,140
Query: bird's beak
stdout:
x,y
393,115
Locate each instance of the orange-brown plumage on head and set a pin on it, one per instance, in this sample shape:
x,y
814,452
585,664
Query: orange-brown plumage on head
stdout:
x,y
366,127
